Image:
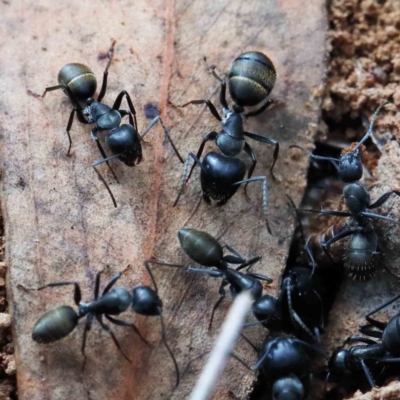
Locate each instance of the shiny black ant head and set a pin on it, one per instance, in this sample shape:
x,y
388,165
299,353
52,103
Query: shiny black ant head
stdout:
x,y
288,388
251,78
125,141
338,364
240,282
360,256
55,324
267,309
283,356
145,301
201,247
391,336
356,197
80,80
350,167
219,175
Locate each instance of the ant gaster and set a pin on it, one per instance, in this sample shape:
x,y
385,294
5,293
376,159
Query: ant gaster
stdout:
x,y
124,141
61,321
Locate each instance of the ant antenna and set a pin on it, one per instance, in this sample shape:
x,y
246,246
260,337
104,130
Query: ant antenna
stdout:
x,y
164,339
371,126
163,330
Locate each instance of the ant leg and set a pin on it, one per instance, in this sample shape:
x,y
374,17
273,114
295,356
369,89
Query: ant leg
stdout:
x,y
164,339
233,355
260,110
52,88
249,151
67,91
256,349
210,136
217,304
383,199
248,264
125,323
326,212
111,283
266,140
388,360
378,324
222,93
105,73
339,236
117,104
102,152
108,330
156,261
365,330
88,325
361,339
152,123
77,289
97,285
298,218
293,315
235,252
211,272
310,255
69,126
387,269
210,106
377,216
101,177
184,174
265,196
367,374
260,277
316,349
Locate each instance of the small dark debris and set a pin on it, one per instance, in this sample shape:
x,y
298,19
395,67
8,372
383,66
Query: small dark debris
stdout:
x,y
102,56
33,94
151,110
21,183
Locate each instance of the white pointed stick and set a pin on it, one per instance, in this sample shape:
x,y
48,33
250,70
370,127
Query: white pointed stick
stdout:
x,y
223,347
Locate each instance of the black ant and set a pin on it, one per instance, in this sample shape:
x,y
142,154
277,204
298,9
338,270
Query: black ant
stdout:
x,y
362,249
124,141
61,321
375,355
251,79
205,250
300,308
285,361
349,165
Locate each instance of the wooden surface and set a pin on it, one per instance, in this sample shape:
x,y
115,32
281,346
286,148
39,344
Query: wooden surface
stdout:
x,y
60,223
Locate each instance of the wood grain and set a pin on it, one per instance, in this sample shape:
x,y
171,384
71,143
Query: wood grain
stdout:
x,y
60,223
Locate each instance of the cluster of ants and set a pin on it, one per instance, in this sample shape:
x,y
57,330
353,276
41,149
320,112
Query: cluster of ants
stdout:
x,y
296,318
